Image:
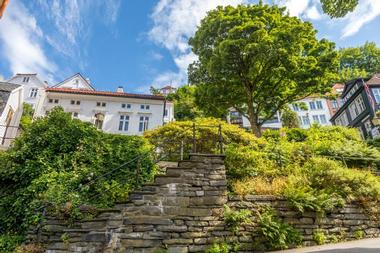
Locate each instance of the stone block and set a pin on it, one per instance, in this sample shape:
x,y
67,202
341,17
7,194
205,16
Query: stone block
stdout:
x,y
148,220
194,234
177,249
96,237
139,243
198,248
208,201
172,228
178,241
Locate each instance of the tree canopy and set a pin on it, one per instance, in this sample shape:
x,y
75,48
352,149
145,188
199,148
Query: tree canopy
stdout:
x,y
338,8
257,59
184,103
359,61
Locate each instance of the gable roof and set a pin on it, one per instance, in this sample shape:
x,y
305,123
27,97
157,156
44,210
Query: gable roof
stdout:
x,y
348,85
31,75
5,92
104,93
375,80
77,75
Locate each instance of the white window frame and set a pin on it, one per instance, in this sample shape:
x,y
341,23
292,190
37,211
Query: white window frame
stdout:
x,y
319,105
312,105
143,123
376,94
124,123
323,119
342,120
316,119
33,92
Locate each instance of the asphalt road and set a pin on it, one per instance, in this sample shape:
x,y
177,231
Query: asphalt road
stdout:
x,y
361,246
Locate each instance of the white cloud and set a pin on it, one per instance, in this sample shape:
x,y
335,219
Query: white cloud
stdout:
x,y
175,21
366,11
21,39
309,9
71,21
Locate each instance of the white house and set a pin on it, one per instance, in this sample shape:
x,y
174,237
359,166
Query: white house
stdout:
x,y
11,99
33,87
113,112
309,110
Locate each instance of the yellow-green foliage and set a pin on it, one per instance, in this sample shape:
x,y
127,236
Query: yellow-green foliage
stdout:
x,y
169,136
316,169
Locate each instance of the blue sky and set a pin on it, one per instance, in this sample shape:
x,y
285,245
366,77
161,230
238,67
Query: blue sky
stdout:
x,y
137,43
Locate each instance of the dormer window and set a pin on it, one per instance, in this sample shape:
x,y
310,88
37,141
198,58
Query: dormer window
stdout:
x,y
25,79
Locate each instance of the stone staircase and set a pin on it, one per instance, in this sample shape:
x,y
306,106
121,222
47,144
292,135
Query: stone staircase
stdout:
x,y
177,212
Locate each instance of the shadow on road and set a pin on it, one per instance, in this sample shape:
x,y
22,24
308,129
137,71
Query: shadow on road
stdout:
x,y
349,250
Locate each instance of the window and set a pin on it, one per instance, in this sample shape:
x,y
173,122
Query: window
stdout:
x,y
376,93
300,119
315,119
56,101
319,105
124,123
312,105
50,100
25,79
99,119
74,114
166,112
142,106
146,107
128,106
356,107
102,104
322,119
33,92
305,120
342,120
73,102
144,124
334,104
98,104
295,107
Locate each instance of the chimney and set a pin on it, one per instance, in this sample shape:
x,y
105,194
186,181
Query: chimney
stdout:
x,y
120,89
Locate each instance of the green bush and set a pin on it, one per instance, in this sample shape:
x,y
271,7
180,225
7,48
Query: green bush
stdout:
x,y
276,234
59,163
169,137
9,242
359,234
319,237
235,219
219,248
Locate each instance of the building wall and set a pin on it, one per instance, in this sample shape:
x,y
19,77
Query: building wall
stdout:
x,y
88,108
14,103
33,83
302,114
309,114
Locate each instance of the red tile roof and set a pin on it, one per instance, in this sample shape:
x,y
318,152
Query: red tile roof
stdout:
x,y
104,93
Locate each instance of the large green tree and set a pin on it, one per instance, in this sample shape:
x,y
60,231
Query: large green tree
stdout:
x,y
184,103
257,59
359,61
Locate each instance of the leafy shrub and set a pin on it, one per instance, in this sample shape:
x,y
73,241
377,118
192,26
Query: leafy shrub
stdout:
x,y
9,242
169,137
276,234
234,219
359,234
319,237
290,119
58,162
260,186
30,248
219,248
296,134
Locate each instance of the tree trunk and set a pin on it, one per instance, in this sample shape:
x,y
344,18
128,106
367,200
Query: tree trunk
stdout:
x,y
256,128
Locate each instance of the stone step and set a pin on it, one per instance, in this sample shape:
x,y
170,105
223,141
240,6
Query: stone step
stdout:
x,y
177,171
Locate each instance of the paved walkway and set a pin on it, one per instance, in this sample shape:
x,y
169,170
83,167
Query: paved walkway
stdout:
x,y
361,246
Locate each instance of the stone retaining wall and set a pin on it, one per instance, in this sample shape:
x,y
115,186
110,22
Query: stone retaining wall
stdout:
x,y
182,211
